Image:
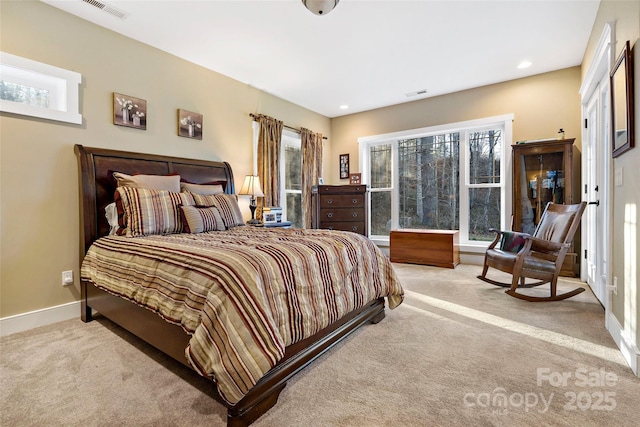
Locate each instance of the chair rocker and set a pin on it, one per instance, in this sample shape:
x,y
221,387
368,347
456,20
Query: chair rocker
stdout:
x,y
538,256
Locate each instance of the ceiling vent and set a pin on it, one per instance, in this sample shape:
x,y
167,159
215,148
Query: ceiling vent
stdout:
x,y
106,8
417,93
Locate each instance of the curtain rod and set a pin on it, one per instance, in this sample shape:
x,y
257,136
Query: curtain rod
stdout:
x,y
284,125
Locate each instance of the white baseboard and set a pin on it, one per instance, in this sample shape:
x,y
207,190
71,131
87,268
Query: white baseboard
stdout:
x,y
629,350
471,258
33,319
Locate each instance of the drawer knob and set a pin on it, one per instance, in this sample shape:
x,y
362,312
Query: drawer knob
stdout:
x,y
355,214
354,228
329,201
354,201
330,215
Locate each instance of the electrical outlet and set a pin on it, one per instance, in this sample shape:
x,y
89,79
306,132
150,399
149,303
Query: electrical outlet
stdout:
x,y
67,278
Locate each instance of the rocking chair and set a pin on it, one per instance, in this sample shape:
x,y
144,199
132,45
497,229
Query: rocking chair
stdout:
x,y
538,256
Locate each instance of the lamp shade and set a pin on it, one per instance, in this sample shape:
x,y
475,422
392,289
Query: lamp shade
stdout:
x,y
320,7
251,187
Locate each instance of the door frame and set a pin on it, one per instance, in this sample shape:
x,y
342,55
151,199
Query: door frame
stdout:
x,y
598,72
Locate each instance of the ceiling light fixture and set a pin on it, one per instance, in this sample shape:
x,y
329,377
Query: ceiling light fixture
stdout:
x,y
320,7
344,107
524,64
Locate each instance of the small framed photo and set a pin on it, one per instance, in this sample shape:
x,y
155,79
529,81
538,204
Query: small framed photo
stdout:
x,y
189,124
320,181
269,218
354,178
344,166
129,111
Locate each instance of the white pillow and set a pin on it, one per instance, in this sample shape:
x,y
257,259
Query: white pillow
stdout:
x,y
111,212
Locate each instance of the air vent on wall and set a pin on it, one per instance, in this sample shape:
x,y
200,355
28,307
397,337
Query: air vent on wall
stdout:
x,y
106,8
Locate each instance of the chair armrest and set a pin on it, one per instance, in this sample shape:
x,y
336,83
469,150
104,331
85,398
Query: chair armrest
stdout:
x,y
496,239
500,233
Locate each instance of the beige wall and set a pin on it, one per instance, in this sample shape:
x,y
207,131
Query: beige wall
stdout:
x,y
38,172
626,199
541,105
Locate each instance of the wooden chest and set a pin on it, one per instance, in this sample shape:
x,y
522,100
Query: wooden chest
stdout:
x,y
340,207
429,247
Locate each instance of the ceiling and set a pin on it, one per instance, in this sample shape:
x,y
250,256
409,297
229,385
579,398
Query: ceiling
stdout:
x,y
364,54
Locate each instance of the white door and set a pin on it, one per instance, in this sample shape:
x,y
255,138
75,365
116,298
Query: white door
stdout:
x,y
595,151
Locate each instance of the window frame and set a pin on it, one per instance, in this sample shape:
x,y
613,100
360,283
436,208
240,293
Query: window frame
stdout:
x,y
62,84
504,122
294,139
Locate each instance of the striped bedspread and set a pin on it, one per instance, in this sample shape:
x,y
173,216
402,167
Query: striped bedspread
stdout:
x,y
244,294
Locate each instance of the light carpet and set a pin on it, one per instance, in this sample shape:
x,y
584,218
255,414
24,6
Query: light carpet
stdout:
x,y
457,352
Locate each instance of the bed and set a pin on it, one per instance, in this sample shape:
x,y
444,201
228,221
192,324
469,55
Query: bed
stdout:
x,y
176,337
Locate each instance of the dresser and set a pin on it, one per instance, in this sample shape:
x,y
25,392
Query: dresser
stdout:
x,y
340,207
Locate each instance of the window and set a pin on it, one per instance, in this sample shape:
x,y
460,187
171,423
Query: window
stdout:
x,y
291,177
35,89
449,177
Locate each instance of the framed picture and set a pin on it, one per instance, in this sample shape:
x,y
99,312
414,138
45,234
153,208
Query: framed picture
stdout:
x,y
189,124
269,218
129,111
320,181
622,108
344,166
354,178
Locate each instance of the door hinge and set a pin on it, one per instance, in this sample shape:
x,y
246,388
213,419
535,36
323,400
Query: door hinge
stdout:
x,y
585,254
585,124
585,189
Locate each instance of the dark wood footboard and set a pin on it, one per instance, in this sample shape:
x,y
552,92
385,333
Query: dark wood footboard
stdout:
x,y
173,340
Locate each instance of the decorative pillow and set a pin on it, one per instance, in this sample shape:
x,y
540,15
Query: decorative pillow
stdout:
x,y
512,241
149,212
227,204
197,219
150,182
111,212
206,189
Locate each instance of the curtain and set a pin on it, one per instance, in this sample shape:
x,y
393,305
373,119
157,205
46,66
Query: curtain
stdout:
x,y
311,144
269,138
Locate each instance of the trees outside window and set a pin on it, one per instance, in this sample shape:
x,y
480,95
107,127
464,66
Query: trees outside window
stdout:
x,y
451,179
291,171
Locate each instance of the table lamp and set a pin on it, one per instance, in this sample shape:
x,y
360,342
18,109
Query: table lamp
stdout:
x,y
251,187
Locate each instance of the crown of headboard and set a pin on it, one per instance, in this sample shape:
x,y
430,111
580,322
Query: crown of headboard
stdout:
x,y
97,185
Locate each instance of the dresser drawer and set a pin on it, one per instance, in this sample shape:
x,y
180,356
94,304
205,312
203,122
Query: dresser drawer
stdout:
x,y
355,227
342,200
346,214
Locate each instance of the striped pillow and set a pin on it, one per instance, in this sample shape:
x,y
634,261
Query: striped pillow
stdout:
x,y
227,204
200,219
149,212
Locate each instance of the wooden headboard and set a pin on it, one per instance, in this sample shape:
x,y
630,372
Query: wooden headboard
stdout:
x,y
97,186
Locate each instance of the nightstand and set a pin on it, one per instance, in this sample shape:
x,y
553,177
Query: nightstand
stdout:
x,y
283,224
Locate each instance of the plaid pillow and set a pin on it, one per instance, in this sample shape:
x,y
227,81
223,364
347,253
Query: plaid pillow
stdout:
x,y
512,242
148,212
227,204
198,219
